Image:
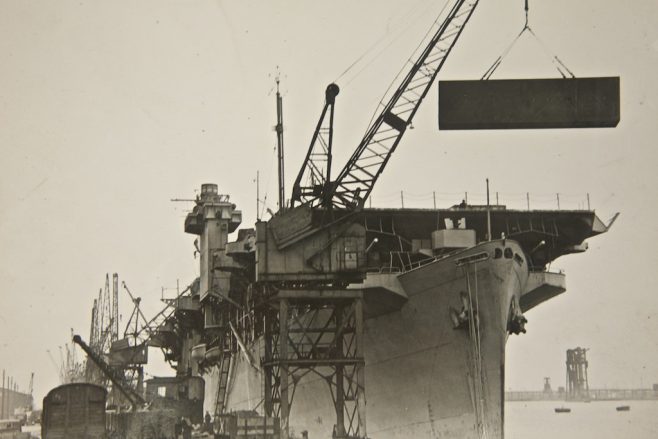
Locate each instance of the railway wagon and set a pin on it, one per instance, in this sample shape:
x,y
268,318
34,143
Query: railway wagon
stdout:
x,y
74,411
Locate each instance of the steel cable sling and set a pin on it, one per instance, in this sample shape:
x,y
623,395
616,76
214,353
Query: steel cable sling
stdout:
x,y
557,62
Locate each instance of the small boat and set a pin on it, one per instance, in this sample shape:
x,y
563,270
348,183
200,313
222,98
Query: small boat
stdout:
x,y
562,410
623,408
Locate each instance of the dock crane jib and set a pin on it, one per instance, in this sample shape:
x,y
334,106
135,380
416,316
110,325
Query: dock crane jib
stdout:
x,y
312,183
356,180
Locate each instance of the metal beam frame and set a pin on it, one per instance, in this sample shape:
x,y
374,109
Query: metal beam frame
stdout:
x,y
313,180
321,332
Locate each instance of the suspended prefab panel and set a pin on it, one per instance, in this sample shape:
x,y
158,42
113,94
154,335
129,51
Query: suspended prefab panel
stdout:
x,y
529,103
123,354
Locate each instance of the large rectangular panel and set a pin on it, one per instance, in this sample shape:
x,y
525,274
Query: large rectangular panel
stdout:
x,y
122,354
529,103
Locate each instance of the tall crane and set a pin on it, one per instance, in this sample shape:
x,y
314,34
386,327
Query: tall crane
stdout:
x,y
133,397
58,367
309,254
104,328
356,180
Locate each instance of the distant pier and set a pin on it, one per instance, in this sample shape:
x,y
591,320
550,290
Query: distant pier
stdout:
x,y
577,386
590,395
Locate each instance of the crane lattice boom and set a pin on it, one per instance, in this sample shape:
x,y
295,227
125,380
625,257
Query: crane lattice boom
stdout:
x,y
315,173
355,182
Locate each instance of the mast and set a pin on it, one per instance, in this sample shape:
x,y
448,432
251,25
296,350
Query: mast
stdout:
x,y
279,141
118,381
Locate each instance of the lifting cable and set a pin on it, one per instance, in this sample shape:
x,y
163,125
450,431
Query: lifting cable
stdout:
x,y
559,65
394,35
382,102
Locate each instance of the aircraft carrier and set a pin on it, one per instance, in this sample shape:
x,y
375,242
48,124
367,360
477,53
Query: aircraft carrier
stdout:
x,y
439,300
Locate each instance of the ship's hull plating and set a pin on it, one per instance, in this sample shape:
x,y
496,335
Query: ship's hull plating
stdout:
x,y
424,378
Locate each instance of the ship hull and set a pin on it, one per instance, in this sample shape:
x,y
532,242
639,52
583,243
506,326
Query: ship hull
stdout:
x,y
425,377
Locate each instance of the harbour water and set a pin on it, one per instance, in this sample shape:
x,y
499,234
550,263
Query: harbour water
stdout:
x,y
600,420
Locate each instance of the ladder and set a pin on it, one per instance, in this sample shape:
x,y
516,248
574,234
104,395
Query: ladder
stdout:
x,y
222,385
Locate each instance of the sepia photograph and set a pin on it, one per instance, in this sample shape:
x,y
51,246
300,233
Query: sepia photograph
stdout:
x,y
296,219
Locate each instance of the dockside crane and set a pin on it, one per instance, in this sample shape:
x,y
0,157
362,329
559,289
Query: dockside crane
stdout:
x,y
104,328
356,180
315,173
310,253
133,397
58,367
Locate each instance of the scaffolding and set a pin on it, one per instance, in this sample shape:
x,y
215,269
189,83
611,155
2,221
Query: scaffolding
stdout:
x,y
317,331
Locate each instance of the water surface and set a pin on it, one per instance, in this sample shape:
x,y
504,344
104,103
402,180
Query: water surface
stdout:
x,y
595,420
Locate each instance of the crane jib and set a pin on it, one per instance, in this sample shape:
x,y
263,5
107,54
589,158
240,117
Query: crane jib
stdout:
x,y
356,180
395,121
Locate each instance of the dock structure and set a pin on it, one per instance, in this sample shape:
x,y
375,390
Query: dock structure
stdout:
x,y
578,389
12,399
593,395
327,341
577,384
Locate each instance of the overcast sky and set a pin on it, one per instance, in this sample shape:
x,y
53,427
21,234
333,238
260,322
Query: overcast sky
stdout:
x,y
110,109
